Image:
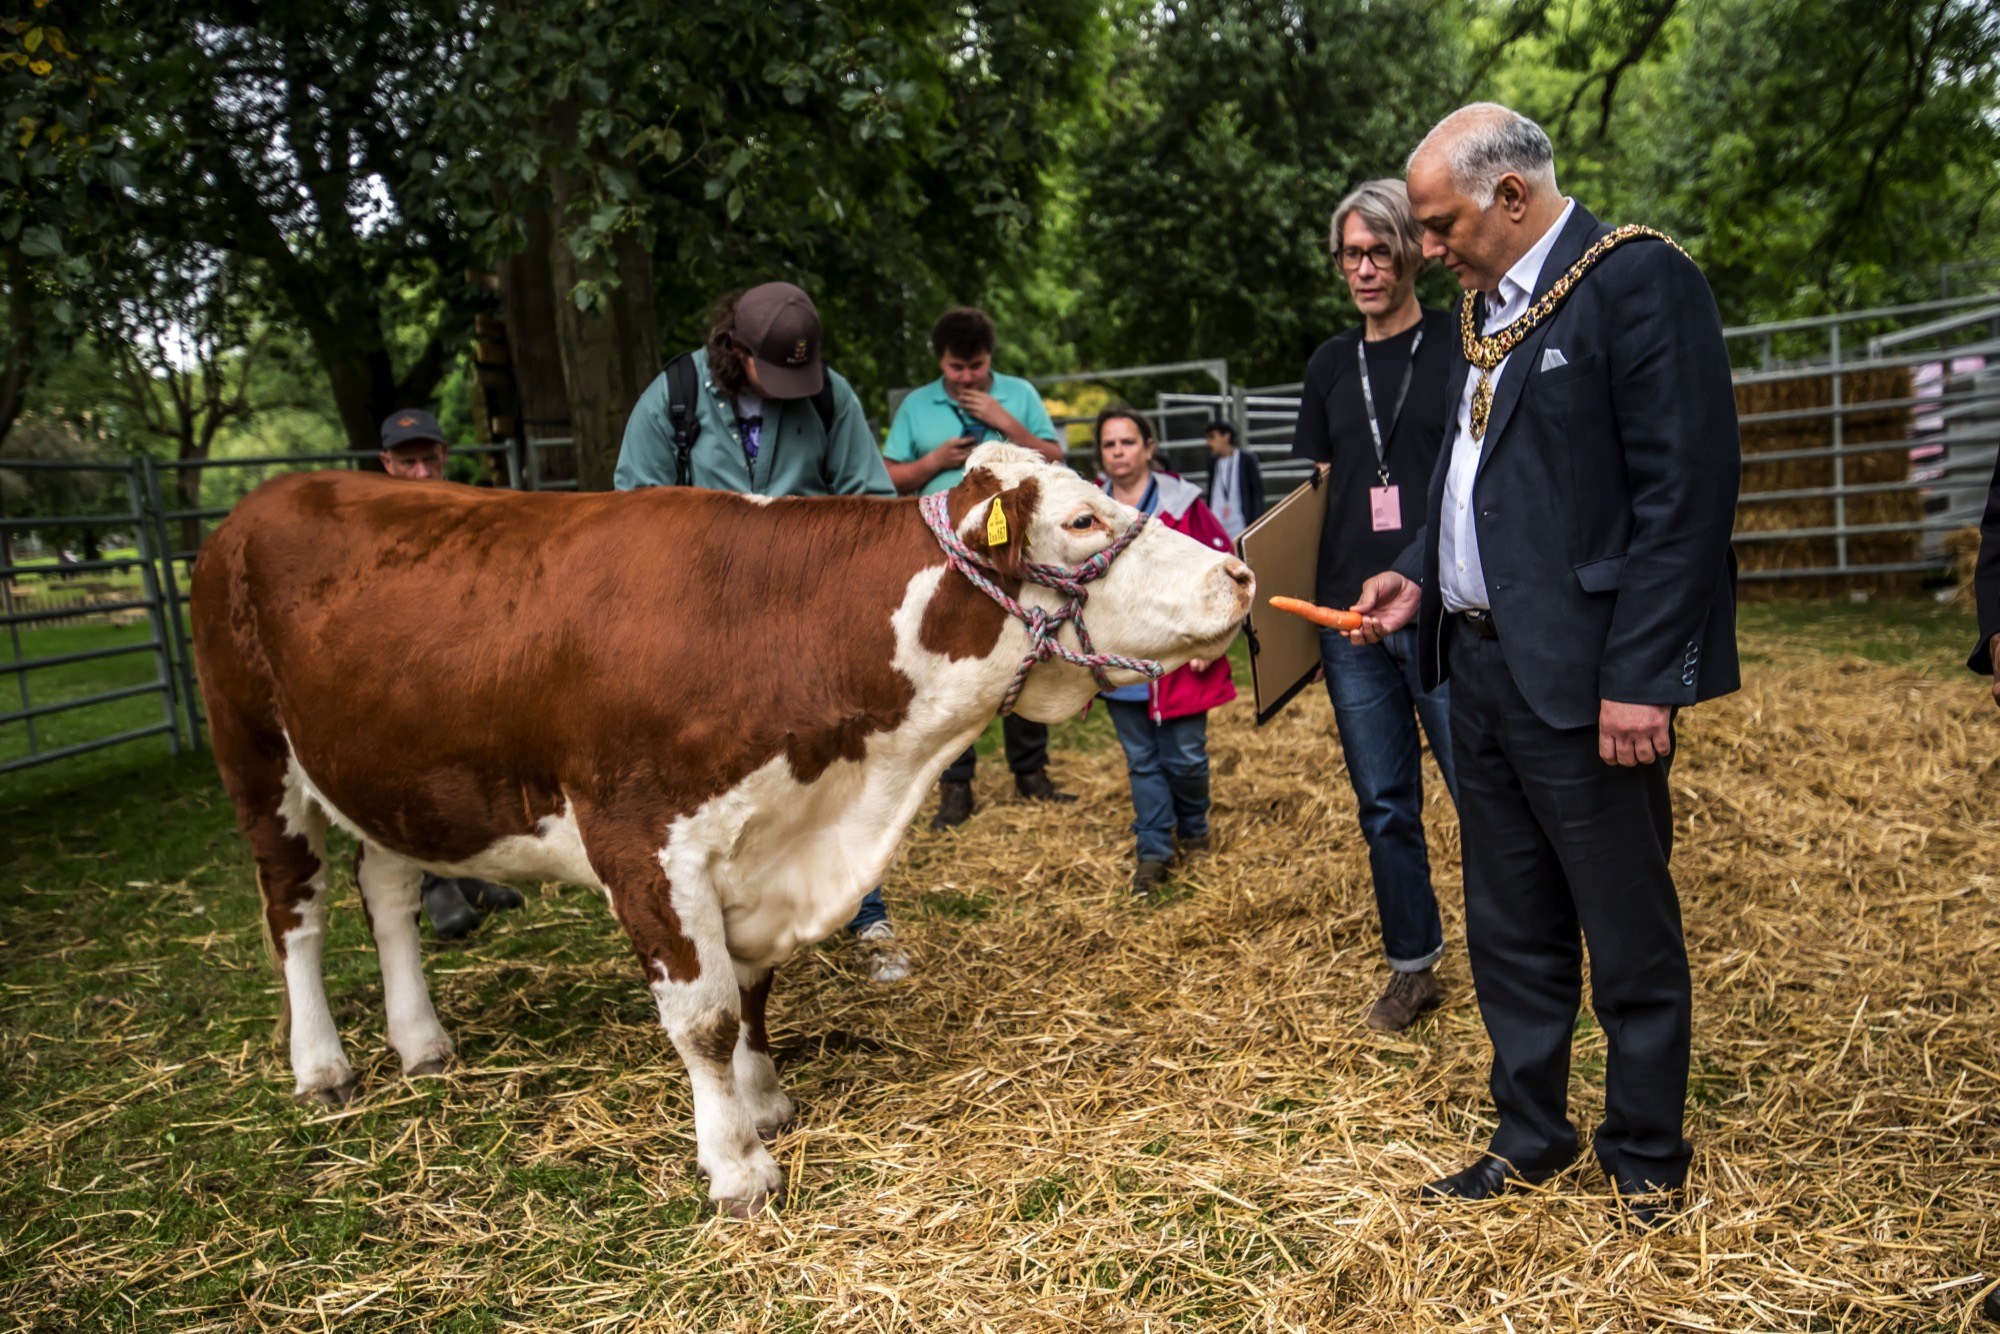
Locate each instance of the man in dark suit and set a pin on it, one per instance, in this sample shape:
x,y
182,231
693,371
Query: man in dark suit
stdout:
x,y
1575,583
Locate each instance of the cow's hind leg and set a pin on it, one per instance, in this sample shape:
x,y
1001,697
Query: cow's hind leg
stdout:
x,y
756,1076
392,892
287,836
678,933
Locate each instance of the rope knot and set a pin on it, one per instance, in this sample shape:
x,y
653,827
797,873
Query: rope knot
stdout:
x,y
1044,626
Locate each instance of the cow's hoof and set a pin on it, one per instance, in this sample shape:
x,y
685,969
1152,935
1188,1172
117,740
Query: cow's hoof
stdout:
x,y
436,1065
770,1133
751,1206
333,1095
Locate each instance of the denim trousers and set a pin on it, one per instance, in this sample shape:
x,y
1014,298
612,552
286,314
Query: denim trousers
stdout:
x,y
1168,763
1378,701
871,911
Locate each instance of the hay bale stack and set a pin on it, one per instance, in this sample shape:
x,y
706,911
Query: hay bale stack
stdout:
x,y
1811,389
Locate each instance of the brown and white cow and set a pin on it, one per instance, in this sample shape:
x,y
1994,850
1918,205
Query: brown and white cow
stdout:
x,y
721,711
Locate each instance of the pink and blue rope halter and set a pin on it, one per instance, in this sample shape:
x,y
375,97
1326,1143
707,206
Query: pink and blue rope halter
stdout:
x,y
1043,626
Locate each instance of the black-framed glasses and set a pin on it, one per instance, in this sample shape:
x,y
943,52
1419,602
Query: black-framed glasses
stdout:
x,y
1383,258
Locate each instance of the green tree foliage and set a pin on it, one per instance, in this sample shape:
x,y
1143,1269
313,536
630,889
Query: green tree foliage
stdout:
x,y
885,154
1230,132
63,169
297,138
1813,154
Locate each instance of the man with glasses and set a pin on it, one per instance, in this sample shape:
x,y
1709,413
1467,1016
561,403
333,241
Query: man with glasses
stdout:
x,y
935,428
413,446
1372,416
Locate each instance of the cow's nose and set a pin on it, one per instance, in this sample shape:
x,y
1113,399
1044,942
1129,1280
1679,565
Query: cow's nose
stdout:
x,y
1239,574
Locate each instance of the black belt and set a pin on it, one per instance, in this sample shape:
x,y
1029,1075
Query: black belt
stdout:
x,y
1479,621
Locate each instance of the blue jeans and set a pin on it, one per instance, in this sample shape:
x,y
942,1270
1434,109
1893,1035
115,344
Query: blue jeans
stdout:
x,y
1375,693
1168,763
871,911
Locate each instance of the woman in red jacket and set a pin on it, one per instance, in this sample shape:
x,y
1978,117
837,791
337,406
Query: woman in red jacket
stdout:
x,y
1163,726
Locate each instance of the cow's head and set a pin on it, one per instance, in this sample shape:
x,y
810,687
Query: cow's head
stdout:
x,y
1166,597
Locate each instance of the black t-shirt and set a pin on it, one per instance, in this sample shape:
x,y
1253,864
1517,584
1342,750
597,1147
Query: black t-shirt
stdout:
x,y
1333,428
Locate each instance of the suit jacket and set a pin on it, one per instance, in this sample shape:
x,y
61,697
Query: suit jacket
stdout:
x,y
1606,492
1253,488
1986,580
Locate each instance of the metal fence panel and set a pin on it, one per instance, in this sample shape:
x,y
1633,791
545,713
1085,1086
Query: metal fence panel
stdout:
x,y
22,608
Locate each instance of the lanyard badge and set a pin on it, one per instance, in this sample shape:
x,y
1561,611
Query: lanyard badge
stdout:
x,y
1385,502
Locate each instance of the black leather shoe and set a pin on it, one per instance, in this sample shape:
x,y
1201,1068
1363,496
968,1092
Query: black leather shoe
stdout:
x,y
1990,1308
1483,1180
1644,1206
1038,786
954,804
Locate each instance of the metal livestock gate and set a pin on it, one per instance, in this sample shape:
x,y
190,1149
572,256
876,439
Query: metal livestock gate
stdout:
x,y
149,516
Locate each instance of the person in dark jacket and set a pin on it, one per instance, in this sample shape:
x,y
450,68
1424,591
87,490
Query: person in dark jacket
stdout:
x,y
1575,581
1235,485
1372,416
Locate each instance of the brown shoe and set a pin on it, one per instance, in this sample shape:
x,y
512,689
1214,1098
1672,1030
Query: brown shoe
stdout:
x,y
1407,996
1038,786
954,804
1148,876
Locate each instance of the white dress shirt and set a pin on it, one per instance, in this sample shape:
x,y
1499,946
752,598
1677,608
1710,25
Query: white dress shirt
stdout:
x,y
1225,493
1461,577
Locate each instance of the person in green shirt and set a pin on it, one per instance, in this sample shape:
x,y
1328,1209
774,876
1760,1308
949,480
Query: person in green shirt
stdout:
x,y
766,425
760,431
935,428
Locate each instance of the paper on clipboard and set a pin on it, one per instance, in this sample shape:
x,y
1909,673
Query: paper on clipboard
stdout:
x,y
1282,549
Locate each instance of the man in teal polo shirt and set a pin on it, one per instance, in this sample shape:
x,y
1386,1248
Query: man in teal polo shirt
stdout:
x,y
935,428
767,425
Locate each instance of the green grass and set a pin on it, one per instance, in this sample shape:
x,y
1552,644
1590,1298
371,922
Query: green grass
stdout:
x,y
51,685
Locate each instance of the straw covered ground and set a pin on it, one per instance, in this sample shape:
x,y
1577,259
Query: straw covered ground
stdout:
x,y
1086,1113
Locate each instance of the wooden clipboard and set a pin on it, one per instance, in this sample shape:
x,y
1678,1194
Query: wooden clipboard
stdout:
x,y
1282,549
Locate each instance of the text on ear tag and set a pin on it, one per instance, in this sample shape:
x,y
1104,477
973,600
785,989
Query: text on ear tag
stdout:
x,y
996,525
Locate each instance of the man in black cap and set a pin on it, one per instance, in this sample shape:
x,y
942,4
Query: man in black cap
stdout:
x,y
755,411
413,446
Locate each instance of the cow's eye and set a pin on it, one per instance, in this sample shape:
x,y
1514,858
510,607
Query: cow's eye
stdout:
x,y
1082,522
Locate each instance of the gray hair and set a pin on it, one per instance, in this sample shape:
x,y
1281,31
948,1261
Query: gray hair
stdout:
x,y
1384,206
1485,141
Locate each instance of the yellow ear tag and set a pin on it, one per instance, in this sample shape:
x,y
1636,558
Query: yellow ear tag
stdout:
x,y
996,525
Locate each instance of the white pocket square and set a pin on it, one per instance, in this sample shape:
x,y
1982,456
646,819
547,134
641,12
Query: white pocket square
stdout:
x,y
1553,358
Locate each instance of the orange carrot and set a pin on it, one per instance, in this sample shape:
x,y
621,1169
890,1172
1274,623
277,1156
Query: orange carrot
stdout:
x,y
1329,617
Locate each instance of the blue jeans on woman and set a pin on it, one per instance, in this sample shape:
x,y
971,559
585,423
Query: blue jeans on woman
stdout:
x,y
1377,702
1168,763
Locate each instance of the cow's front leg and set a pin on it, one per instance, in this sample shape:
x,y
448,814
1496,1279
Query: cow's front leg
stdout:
x,y
677,930
756,1076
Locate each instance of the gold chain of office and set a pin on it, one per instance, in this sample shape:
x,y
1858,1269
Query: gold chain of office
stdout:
x,y
1487,351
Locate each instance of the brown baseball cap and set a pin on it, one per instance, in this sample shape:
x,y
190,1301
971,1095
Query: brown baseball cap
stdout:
x,y
779,325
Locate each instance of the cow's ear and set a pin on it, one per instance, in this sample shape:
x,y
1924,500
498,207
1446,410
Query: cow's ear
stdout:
x,y
1002,530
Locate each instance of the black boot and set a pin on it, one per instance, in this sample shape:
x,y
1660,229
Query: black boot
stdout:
x,y
954,804
1038,786
452,918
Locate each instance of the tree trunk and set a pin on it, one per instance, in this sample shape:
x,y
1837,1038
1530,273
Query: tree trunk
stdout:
x,y
528,299
609,354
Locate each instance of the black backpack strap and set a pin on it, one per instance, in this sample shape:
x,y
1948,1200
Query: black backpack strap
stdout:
x,y
823,405
683,403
